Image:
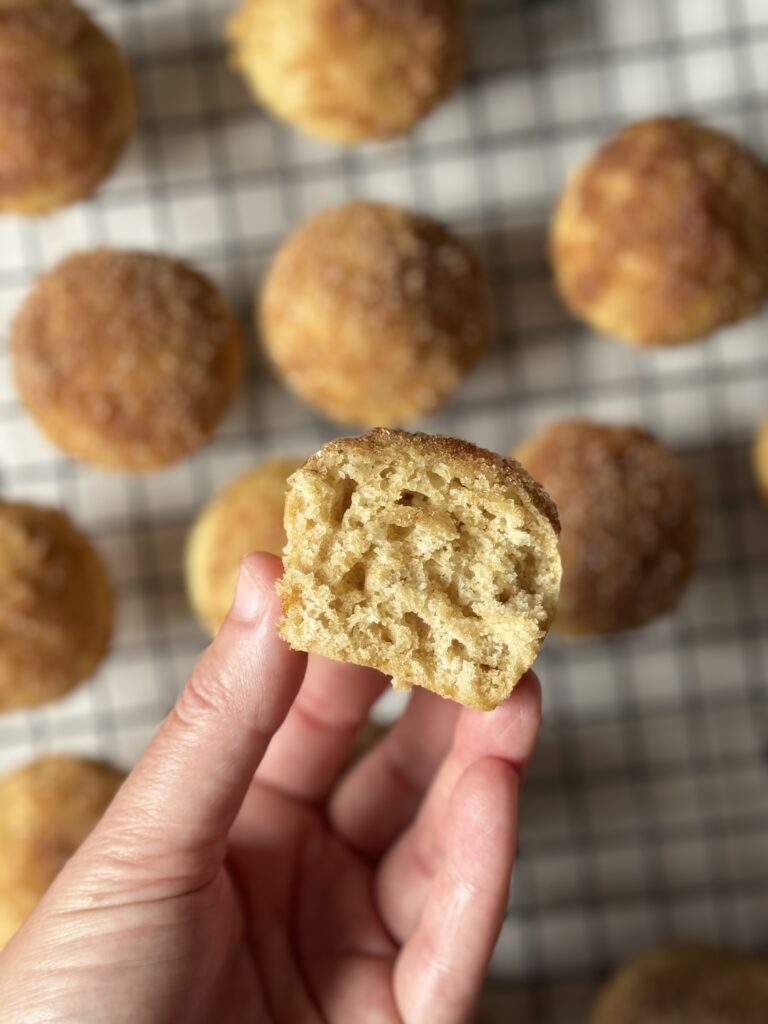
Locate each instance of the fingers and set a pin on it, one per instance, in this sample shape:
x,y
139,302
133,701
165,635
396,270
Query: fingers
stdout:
x,y
441,968
407,871
185,792
383,791
312,746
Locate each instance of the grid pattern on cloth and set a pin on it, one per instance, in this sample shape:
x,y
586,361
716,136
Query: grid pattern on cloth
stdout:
x,y
645,815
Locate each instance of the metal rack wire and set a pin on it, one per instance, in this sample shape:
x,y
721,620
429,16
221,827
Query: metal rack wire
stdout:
x,y
645,814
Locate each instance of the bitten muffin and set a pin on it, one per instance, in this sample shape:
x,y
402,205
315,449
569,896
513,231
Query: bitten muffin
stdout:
x,y
374,315
126,360
56,606
47,809
350,70
677,984
663,236
246,516
427,558
760,459
629,513
67,105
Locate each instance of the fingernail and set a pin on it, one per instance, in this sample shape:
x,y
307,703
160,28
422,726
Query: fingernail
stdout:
x,y
249,597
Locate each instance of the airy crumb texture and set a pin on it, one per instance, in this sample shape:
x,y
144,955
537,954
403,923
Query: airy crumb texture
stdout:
x,y
374,315
760,459
350,70
246,516
629,510
663,236
67,105
47,809
681,984
427,558
127,360
56,606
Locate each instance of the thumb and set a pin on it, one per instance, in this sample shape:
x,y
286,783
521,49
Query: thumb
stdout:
x,y
171,818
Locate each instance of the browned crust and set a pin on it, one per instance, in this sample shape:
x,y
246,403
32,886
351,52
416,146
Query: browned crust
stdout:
x,y
505,472
128,360
680,204
760,459
67,105
685,983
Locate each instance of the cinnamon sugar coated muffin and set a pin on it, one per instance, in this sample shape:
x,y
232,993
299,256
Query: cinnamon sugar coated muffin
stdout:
x,y
629,513
67,105
374,315
47,810
245,516
427,558
663,236
760,459
681,984
127,360
56,606
350,70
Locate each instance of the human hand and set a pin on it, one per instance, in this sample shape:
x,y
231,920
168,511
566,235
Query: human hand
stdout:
x,y
240,876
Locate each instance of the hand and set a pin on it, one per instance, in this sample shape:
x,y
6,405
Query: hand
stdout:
x,y
239,876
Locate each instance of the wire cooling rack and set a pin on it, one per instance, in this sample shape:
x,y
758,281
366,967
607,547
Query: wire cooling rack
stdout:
x,y
645,815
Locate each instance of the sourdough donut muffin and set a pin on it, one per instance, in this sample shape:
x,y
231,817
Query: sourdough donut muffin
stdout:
x,y
246,516
760,459
629,514
427,558
663,236
678,984
374,315
47,809
56,606
67,105
350,70
127,360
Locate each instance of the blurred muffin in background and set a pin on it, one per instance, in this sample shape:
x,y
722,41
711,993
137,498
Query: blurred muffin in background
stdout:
x,y
629,511
127,360
47,809
663,236
350,70
681,984
245,516
67,105
375,315
56,606
760,459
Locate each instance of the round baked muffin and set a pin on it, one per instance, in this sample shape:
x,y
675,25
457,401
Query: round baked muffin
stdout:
x,y
663,236
629,514
427,558
126,360
350,70
246,516
56,606
677,984
375,315
67,105
47,809
760,459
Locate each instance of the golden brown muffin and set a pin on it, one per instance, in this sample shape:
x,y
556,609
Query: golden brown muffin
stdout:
x,y
67,105
424,557
686,985
350,70
56,606
374,315
663,236
127,360
629,512
246,516
47,809
760,459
